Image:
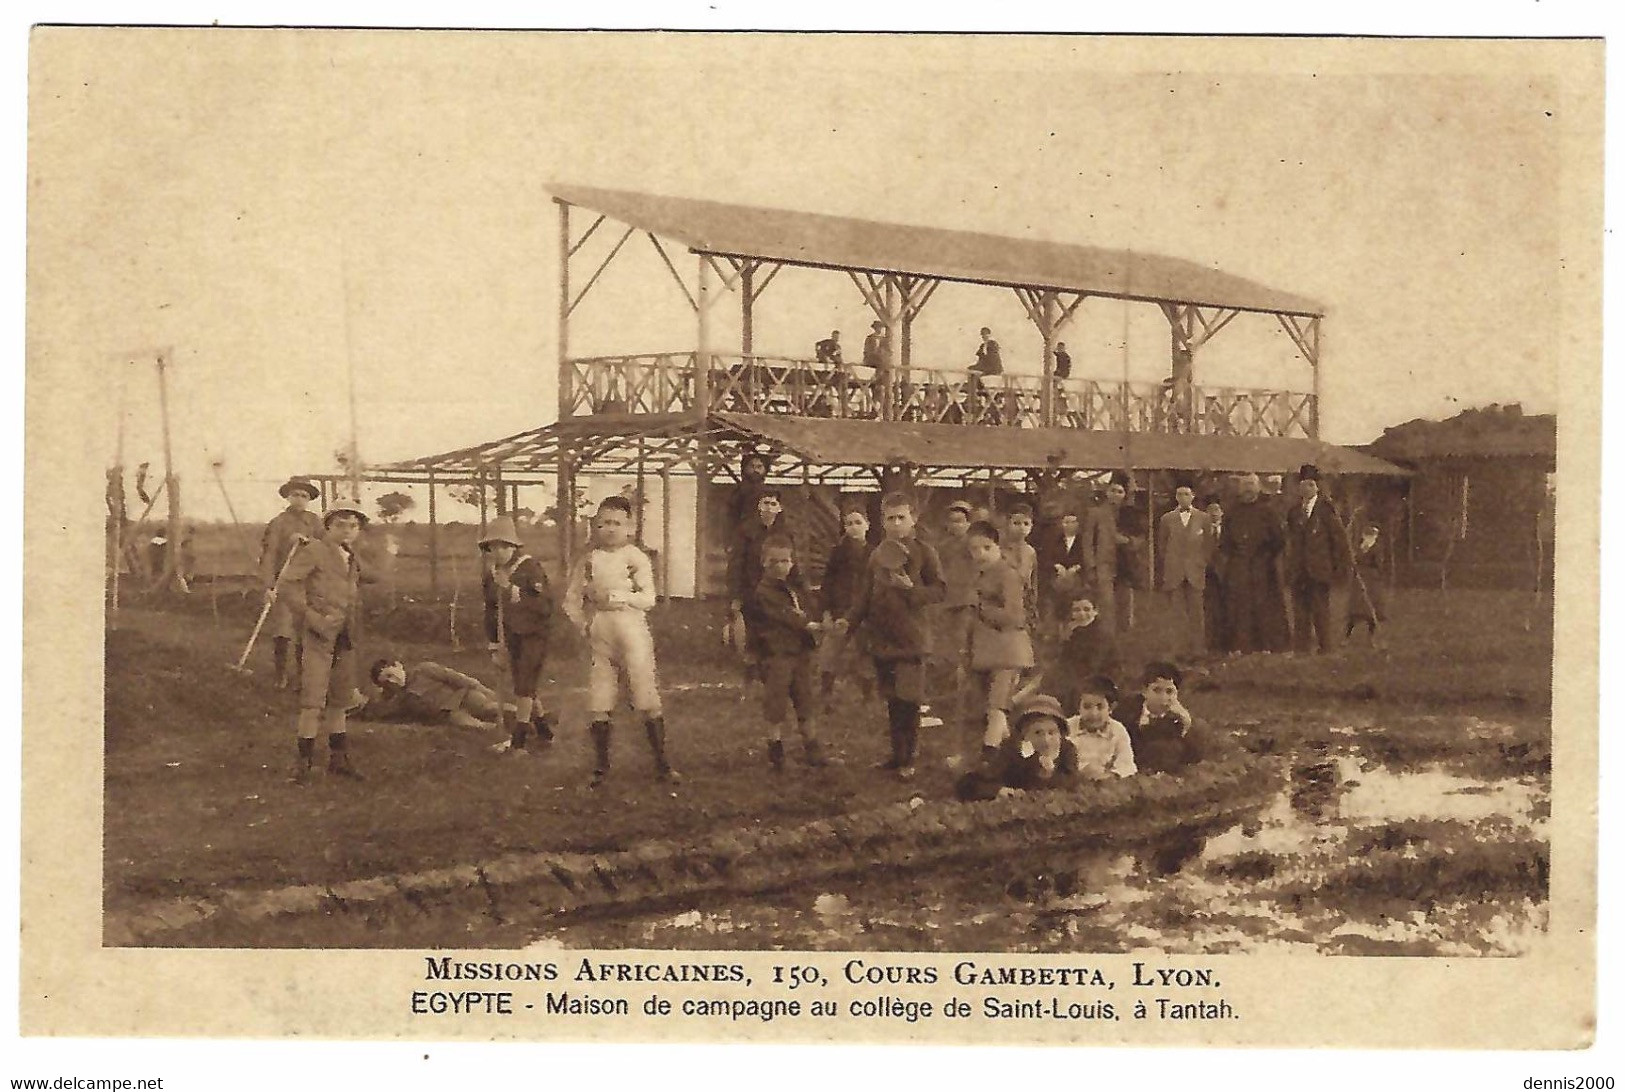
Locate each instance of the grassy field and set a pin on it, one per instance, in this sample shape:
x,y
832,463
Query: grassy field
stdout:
x,y
197,757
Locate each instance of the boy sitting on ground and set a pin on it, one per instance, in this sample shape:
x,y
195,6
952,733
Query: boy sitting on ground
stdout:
x,y
1103,744
785,637
1037,756
1161,730
428,693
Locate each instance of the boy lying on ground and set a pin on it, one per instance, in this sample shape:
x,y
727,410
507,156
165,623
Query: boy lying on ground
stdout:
x,y
1037,756
428,693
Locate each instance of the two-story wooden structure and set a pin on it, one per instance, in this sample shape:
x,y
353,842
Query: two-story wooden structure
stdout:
x,y
690,409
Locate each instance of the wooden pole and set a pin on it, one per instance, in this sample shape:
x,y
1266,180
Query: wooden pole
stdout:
x,y
1046,397
482,501
702,402
434,541
565,399
1314,411
665,530
171,484
747,322
638,499
501,493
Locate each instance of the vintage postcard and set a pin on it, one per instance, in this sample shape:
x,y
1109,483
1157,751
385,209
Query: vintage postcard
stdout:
x,y
812,538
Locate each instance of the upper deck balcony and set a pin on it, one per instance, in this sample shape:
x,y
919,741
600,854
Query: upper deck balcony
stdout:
x,y
660,383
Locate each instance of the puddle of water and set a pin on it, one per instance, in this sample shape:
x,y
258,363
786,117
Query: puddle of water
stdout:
x,y
1352,858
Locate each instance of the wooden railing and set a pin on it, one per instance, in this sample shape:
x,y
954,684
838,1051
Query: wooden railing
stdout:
x,y
664,383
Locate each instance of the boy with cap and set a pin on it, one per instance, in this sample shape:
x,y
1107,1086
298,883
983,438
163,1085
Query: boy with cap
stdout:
x,y
905,578
610,593
1037,756
518,618
1317,557
287,531
321,586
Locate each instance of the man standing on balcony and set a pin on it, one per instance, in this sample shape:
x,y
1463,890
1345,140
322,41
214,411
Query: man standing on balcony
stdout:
x,y
828,351
1251,546
988,362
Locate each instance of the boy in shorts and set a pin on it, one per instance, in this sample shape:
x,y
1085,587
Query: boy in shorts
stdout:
x,y
786,637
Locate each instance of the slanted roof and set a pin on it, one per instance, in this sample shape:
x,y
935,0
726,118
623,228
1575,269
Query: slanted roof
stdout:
x,y
611,444
839,242
874,443
1485,432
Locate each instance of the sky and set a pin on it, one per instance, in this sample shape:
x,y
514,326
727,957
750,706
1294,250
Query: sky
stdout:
x,y
286,209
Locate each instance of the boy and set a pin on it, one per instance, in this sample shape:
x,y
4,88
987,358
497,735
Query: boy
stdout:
x,y
745,571
845,573
786,638
1023,558
1088,648
1365,586
958,610
905,578
288,530
429,693
1000,644
1161,731
518,617
1103,745
610,593
1063,568
1037,756
321,586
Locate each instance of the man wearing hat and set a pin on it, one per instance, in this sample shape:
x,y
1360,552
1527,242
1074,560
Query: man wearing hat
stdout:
x,y
518,618
287,530
1317,557
321,588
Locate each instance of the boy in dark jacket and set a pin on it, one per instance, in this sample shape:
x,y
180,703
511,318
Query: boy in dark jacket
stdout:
x,y
745,570
518,618
845,573
905,578
1162,731
785,638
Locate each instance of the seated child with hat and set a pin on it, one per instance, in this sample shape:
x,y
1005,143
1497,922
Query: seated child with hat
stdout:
x,y
1037,756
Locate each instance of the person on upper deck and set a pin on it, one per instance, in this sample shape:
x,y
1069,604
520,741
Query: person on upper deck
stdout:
x,y
828,351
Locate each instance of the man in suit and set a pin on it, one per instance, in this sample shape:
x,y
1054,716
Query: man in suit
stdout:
x,y
1104,537
1317,557
1185,545
1065,568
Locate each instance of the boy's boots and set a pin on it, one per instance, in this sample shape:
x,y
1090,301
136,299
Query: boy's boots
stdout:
x,y
599,729
338,758
895,717
517,731
542,725
656,729
775,754
306,766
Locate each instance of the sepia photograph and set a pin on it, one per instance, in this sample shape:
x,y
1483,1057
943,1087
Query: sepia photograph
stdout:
x,y
760,517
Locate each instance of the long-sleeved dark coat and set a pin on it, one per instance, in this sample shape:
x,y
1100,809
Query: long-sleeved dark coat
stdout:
x,y
892,619
1162,744
527,603
1317,548
781,617
1249,549
844,574
1010,769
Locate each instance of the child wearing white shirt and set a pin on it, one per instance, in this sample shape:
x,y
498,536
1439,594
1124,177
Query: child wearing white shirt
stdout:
x,y
1103,745
610,593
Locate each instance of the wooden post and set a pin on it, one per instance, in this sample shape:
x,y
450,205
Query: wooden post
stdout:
x,y
482,500
1046,395
665,530
747,324
702,405
565,399
434,542
172,557
501,493
565,511
893,338
1314,411
640,496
